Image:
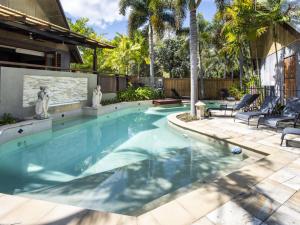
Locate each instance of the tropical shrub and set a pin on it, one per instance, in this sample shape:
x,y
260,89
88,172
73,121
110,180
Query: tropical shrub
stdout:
x,y
138,94
7,119
236,92
109,101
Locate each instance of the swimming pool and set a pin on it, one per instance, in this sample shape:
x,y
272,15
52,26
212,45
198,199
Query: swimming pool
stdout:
x,y
118,162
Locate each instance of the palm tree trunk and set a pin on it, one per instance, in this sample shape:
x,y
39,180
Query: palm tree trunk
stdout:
x,y
241,63
201,73
194,59
151,53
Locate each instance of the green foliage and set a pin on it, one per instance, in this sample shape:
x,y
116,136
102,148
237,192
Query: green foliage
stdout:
x,y
130,53
129,56
158,13
187,117
236,92
7,119
138,94
109,101
173,57
251,81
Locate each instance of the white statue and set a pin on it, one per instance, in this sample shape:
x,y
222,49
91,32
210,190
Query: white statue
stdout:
x,y
42,104
97,97
46,102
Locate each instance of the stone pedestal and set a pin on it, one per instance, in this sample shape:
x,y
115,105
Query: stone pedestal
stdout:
x,y
200,108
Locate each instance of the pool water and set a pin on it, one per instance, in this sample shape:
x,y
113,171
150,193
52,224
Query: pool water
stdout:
x,y
117,163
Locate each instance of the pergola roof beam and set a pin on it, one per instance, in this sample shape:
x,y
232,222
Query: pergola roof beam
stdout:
x,y
16,19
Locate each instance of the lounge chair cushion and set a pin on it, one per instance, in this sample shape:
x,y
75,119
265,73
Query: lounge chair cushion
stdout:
x,y
294,131
269,104
244,102
274,120
291,130
245,116
267,107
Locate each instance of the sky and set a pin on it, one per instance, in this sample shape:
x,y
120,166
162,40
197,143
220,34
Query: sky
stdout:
x,y
105,18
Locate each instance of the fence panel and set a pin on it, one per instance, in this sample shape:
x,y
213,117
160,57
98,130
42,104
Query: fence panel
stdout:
x,y
182,86
212,87
108,84
122,83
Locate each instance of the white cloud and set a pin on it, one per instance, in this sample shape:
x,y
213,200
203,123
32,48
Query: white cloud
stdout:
x,y
100,12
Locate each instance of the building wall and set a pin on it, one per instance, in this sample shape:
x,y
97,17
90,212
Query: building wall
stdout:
x,y
12,85
265,45
44,9
273,75
23,41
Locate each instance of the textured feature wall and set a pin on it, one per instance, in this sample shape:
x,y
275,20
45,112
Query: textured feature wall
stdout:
x,y
63,84
63,90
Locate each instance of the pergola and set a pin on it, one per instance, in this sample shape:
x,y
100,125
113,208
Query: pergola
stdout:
x,y
19,22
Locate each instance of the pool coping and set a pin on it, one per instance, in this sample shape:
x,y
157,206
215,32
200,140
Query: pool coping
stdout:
x,y
183,210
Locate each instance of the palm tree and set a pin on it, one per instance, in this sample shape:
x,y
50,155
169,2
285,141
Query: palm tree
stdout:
x,y
204,40
191,5
242,25
151,14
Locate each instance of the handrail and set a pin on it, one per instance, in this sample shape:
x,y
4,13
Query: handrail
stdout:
x,y
26,65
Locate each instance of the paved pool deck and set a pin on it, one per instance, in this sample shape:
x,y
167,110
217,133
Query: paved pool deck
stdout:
x,y
266,191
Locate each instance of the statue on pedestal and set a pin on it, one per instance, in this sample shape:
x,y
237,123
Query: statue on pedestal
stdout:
x,y
97,97
42,104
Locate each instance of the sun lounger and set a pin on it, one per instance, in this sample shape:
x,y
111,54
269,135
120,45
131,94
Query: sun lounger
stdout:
x,y
266,108
286,131
290,114
244,104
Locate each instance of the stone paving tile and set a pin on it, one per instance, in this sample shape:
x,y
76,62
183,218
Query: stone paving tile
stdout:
x,y
235,184
274,190
293,183
288,176
283,175
284,216
294,202
257,204
284,158
125,220
202,201
257,171
70,215
266,149
9,203
172,213
28,213
268,163
231,213
147,219
203,221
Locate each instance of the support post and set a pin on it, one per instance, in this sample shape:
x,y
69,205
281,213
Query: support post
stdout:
x,y
117,83
127,81
95,60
